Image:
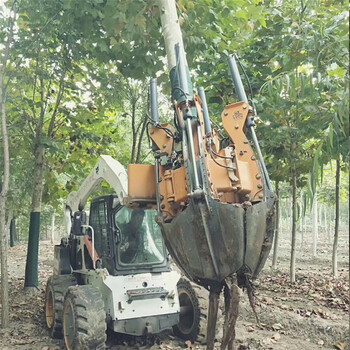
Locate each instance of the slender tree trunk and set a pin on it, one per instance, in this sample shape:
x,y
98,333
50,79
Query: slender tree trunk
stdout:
x,y
31,282
275,242
336,226
302,219
314,226
330,224
139,145
12,232
5,318
53,227
134,133
171,29
294,217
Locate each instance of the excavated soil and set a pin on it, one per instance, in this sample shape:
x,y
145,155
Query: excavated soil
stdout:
x,y
312,313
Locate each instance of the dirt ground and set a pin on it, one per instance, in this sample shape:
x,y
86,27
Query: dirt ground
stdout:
x,y
311,314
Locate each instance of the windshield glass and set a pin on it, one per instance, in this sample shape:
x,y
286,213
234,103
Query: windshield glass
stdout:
x,y
141,239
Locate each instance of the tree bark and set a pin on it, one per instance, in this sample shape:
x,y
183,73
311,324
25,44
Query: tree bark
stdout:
x,y
302,222
324,211
134,133
31,282
171,30
314,226
3,232
12,232
294,217
275,243
5,317
336,226
139,145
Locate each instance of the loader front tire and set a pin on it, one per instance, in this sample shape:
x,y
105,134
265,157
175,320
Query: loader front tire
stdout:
x,y
84,319
193,312
56,288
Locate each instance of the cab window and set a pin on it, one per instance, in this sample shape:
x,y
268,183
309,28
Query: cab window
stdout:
x,y
141,240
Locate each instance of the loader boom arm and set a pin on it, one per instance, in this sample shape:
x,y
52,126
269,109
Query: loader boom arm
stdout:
x,y
107,169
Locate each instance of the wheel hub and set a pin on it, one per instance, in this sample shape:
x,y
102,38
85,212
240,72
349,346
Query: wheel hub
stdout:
x,y
68,325
49,310
186,313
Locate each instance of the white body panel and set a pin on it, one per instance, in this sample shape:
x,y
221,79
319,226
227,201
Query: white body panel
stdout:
x,y
114,290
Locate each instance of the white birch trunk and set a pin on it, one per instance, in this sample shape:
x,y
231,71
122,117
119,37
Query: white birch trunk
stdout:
x,y
171,29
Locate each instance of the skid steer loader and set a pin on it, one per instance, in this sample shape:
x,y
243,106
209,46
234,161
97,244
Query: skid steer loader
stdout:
x,y
113,270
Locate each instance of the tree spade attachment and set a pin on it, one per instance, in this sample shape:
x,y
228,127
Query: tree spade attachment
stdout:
x,y
214,197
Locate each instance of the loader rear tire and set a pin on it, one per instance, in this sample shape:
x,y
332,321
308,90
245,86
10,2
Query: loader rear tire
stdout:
x,y
193,312
84,319
56,288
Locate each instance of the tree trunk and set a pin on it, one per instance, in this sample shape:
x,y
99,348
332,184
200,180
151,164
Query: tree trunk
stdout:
x,y
134,133
275,243
139,145
325,220
53,227
302,222
5,318
294,217
330,224
336,226
314,226
12,233
31,282
171,30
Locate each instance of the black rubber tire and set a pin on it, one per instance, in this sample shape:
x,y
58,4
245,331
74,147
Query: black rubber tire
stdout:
x,y
84,319
193,324
56,288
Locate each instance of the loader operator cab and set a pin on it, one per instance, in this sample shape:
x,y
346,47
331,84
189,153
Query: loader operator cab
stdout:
x,y
127,240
